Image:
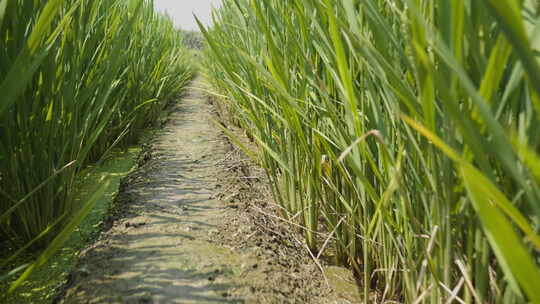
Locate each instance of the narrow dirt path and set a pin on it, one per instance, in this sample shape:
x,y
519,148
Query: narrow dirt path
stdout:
x,y
161,248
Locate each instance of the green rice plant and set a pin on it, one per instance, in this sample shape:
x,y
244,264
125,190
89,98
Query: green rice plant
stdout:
x,y
406,131
78,78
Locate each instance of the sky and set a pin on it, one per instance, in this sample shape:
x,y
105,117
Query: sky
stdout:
x,y
182,11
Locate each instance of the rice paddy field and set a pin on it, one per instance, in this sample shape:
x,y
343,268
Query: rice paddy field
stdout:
x,y
400,135
78,79
400,138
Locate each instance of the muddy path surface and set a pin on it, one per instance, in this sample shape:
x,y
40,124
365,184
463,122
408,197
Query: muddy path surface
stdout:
x,y
184,229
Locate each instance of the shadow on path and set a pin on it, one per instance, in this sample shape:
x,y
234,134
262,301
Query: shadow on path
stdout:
x,y
160,249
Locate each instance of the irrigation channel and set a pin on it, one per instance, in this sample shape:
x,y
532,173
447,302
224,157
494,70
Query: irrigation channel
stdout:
x,y
191,226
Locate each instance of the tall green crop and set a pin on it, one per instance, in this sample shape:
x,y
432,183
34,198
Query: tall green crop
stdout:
x,y
77,78
404,130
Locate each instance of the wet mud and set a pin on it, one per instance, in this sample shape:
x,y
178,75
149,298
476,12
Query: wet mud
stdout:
x,y
195,224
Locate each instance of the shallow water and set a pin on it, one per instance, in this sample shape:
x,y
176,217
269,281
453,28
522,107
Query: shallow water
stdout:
x,y
42,284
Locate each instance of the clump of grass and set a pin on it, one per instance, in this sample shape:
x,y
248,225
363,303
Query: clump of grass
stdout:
x,y
409,127
78,78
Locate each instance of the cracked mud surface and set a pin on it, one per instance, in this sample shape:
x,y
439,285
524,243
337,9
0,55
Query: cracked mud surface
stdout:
x,y
187,228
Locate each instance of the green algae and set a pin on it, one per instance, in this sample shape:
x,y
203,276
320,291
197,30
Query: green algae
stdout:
x,y
342,282
44,282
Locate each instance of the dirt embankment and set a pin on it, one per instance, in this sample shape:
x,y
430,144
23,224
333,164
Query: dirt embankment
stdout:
x,y
195,224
